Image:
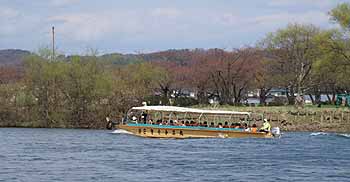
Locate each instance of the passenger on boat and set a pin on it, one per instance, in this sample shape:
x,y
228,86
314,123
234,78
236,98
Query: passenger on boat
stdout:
x,y
266,127
212,124
150,121
109,123
226,125
219,125
205,124
233,125
134,119
245,126
254,128
144,117
238,125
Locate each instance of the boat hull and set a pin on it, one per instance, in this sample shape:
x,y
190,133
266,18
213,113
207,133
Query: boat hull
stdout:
x,y
181,132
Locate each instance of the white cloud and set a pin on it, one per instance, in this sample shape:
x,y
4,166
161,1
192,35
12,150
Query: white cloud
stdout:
x,y
63,2
8,19
81,27
8,13
311,17
166,12
273,21
171,25
230,19
126,24
283,3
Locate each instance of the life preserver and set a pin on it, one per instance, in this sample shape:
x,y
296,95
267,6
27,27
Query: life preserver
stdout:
x,y
109,125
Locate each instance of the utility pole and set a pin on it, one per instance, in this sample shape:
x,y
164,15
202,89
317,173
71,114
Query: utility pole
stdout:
x,y
53,43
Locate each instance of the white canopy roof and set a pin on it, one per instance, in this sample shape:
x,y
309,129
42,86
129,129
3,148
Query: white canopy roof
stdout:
x,y
186,110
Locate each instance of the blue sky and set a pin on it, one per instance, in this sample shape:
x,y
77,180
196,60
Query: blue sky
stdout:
x,y
151,25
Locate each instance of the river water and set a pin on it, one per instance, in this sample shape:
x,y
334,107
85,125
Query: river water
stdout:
x,y
33,155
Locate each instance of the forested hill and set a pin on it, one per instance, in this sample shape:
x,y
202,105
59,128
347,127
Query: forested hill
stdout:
x,y
180,56
17,56
12,56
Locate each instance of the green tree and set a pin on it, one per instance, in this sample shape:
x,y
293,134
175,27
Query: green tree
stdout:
x,y
85,85
294,50
341,15
338,40
68,92
131,85
330,73
43,81
333,65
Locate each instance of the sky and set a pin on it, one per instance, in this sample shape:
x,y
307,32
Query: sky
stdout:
x,y
140,26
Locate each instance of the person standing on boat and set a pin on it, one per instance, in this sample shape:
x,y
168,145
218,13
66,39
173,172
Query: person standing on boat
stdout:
x,y
144,117
134,119
266,127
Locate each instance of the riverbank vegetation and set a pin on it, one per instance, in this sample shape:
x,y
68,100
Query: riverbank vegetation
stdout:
x,y
79,91
290,118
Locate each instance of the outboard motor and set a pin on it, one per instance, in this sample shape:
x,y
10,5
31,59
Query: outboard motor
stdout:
x,y
111,124
276,132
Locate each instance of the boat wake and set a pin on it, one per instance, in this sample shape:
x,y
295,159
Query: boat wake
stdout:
x,y
345,135
319,133
120,131
330,134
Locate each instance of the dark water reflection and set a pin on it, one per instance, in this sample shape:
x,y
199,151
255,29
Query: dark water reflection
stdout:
x,y
33,155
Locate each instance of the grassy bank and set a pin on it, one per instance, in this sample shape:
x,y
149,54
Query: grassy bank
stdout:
x,y
290,118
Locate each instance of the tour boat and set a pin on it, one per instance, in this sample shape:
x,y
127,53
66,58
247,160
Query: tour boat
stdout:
x,y
180,122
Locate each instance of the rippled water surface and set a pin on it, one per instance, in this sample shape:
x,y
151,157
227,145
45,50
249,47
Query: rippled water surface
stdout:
x,y
33,155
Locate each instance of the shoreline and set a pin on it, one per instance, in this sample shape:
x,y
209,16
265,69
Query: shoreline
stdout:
x,y
308,119
288,118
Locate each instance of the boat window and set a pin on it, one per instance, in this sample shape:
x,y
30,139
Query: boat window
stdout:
x,y
151,131
166,132
181,133
139,131
174,132
158,132
144,131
